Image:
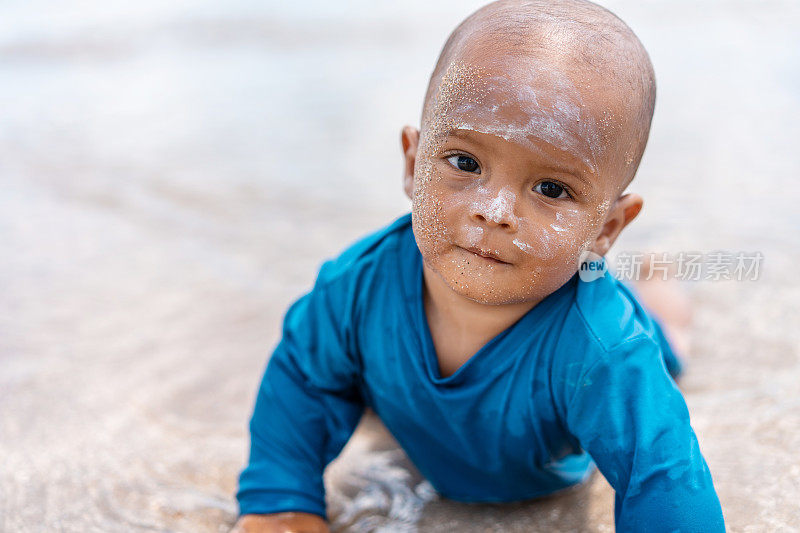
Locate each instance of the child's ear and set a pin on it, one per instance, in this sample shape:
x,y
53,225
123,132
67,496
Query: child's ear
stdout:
x,y
409,139
622,212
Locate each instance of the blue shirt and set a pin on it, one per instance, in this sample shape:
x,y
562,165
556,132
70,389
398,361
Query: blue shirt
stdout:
x,y
581,379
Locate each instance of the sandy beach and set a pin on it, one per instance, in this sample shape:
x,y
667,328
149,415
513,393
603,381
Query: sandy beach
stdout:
x,y
173,174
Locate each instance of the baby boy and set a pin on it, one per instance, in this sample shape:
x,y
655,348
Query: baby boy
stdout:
x,y
466,326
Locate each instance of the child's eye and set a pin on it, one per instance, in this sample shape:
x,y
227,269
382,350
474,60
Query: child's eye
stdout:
x,y
465,163
551,189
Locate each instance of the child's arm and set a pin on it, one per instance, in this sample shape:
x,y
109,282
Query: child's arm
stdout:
x,y
308,403
632,420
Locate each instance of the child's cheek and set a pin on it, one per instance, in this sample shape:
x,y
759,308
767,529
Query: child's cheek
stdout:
x,y
556,243
428,215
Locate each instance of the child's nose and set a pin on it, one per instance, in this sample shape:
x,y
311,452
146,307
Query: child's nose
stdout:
x,y
496,210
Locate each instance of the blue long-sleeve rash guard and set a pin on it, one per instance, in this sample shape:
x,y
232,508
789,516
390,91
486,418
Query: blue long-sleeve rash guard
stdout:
x,y
581,379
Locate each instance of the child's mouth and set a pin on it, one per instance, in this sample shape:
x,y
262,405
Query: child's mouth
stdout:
x,y
487,255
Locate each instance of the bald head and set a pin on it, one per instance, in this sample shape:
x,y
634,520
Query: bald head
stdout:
x,y
598,51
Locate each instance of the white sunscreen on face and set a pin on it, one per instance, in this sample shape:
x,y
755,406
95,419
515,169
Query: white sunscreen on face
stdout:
x,y
474,235
524,246
533,102
498,209
560,224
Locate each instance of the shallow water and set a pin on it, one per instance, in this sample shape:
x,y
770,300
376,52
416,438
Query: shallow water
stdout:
x,y
172,175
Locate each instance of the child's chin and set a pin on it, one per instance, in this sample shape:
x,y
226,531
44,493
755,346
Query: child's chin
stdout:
x,y
487,294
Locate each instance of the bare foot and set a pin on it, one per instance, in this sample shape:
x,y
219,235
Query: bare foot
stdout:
x,y
670,305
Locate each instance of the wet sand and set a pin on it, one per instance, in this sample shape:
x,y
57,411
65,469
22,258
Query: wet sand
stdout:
x,y
171,177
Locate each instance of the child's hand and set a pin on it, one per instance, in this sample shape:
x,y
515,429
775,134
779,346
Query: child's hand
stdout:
x,y
280,523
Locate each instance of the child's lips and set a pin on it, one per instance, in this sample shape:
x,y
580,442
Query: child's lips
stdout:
x,y
489,255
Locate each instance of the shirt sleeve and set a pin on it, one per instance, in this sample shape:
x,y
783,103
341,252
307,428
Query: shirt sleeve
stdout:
x,y
633,421
307,406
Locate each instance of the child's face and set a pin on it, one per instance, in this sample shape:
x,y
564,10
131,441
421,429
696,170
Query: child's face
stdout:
x,y
515,174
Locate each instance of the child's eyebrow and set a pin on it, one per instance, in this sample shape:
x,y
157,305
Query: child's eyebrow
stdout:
x,y
582,172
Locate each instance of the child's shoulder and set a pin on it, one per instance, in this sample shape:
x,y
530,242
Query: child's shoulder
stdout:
x,y
367,251
604,324
606,331
611,314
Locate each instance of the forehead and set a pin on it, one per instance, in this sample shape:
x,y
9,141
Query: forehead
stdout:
x,y
526,99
